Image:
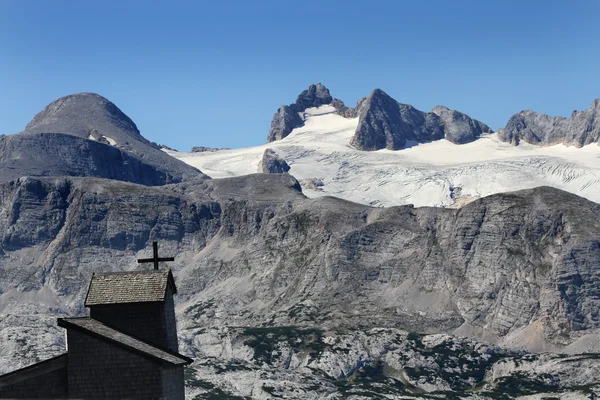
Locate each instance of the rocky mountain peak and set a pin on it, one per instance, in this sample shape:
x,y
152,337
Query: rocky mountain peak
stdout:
x,y
288,117
85,134
385,123
315,96
83,115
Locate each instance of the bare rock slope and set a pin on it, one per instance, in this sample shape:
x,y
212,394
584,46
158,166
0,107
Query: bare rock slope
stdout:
x,y
581,129
518,268
86,135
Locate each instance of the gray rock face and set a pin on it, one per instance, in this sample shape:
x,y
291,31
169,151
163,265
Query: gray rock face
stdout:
x,y
380,125
87,135
459,128
385,123
426,269
343,110
271,163
284,121
86,115
203,149
253,251
582,128
315,96
288,117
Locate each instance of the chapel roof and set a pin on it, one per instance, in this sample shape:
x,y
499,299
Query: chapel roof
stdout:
x,y
129,287
103,332
33,371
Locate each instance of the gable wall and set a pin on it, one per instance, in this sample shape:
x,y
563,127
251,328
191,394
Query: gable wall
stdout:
x,y
170,322
98,369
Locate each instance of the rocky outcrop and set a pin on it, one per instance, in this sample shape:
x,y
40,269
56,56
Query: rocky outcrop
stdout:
x,y
284,121
289,117
315,96
271,163
86,135
385,123
380,124
582,128
303,362
203,149
459,128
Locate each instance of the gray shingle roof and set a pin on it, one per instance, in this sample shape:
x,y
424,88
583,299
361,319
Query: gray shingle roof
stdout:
x,y
129,287
98,329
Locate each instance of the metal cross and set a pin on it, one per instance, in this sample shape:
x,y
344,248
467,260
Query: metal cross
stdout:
x,y
155,258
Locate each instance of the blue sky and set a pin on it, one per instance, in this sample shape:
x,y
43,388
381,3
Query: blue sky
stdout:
x,y
195,73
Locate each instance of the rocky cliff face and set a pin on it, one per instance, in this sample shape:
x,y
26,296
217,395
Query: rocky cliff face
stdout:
x,y
324,261
288,117
385,123
87,135
518,268
582,128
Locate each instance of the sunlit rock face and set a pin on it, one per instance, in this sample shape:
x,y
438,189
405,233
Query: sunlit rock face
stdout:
x,y
582,128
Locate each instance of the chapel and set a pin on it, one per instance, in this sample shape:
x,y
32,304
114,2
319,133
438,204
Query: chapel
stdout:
x,y
126,349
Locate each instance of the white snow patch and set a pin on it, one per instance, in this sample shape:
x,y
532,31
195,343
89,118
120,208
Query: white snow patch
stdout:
x,y
429,174
110,140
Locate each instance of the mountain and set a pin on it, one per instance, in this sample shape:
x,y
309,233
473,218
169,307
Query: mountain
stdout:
x,y
285,292
383,122
581,129
274,286
436,173
86,135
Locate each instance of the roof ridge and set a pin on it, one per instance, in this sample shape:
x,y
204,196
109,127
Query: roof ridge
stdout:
x,y
148,271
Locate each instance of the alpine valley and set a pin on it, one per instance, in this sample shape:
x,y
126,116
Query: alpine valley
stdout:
x,y
367,252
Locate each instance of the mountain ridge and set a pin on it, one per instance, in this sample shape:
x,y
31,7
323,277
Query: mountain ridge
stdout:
x,y
383,122
85,134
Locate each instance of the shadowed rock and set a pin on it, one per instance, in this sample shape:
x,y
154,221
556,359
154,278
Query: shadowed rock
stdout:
x,y
284,121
